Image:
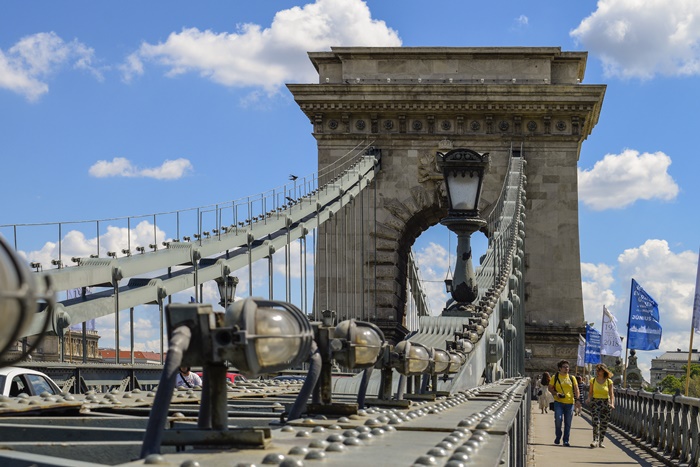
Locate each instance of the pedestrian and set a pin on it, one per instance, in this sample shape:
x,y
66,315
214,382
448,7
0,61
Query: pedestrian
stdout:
x,y
544,398
579,383
601,396
564,388
187,379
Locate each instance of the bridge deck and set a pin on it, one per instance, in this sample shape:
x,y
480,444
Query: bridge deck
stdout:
x,y
618,451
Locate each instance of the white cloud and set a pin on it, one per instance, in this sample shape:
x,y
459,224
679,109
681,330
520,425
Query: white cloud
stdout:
x,y
597,280
25,67
522,20
133,66
76,244
642,38
122,167
621,179
267,57
433,263
667,276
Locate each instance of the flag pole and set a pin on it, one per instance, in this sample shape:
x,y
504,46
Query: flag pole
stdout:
x,y
624,378
693,319
690,354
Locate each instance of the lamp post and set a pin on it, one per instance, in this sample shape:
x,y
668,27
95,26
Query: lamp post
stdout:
x,y
464,171
227,289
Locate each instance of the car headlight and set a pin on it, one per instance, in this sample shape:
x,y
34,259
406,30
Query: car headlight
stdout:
x,y
357,344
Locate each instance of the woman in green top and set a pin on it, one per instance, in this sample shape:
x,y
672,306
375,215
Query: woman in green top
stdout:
x,y
565,391
601,398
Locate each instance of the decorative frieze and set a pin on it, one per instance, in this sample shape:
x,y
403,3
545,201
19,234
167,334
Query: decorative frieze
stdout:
x,y
465,108
460,124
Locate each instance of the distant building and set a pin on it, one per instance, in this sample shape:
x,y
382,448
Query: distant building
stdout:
x,y
140,356
48,349
671,363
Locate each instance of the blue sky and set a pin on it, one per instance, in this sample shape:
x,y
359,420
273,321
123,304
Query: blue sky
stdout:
x,y
123,108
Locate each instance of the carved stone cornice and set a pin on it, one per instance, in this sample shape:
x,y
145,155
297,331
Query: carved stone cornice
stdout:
x,y
455,108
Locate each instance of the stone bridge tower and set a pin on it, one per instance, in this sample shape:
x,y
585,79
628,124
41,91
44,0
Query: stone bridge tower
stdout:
x,y
412,102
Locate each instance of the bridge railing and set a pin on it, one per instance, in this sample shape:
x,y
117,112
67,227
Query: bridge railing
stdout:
x,y
669,425
196,224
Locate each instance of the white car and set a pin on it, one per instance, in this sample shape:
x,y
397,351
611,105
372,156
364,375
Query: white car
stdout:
x,y
15,381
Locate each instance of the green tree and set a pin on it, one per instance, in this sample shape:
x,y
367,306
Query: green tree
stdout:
x,y
670,384
694,385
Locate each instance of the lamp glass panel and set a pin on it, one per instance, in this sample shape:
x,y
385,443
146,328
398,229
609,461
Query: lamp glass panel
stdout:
x,y
221,285
442,360
418,359
367,345
230,289
273,322
277,338
463,190
272,351
455,362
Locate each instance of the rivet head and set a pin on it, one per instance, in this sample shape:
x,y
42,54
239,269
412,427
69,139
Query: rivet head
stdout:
x,y
445,445
335,438
190,463
335,427
287,429
336,447
466,449
437,452
298,451
154,459
315,455
318,429
473,443
343,420
426,460
291,463
303,434
350,433
352,441
318,444
273,459
378,431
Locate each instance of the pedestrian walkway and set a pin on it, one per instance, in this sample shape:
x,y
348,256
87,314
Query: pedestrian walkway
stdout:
x,y
543,452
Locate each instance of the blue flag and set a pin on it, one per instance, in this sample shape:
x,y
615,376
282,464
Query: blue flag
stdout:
x,y
644,329
592,345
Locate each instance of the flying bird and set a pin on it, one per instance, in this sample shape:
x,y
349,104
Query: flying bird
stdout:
x,y
292,177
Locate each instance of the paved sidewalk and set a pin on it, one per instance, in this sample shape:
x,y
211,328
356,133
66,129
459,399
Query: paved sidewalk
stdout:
x,y
543,452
